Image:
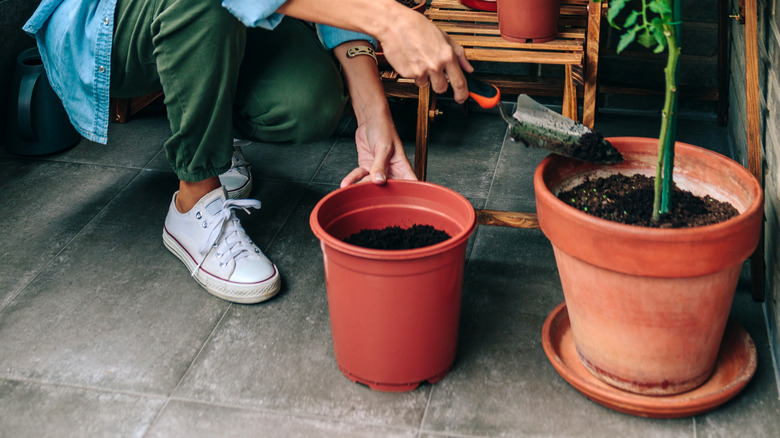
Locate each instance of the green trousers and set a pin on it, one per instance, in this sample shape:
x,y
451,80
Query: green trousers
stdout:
x,y
222,80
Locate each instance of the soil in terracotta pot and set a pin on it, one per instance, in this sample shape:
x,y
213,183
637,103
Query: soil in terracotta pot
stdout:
x,y
629,200
409,3
417,236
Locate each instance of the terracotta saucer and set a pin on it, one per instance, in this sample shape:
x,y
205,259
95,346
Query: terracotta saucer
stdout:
x,y
734,369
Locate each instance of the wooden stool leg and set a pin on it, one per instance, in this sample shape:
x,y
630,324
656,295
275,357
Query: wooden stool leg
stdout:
x,y
569,95
590,84
120,108
421,144
753,109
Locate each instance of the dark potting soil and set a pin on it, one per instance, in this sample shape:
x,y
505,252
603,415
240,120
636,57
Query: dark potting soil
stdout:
x,y
409,3
629,200
592,147
417,236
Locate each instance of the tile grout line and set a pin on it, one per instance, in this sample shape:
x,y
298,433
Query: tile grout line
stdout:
x,y
21,290
425,411
443,434
495,168
170,396
287,414
82,387
309,184
279,413
330,151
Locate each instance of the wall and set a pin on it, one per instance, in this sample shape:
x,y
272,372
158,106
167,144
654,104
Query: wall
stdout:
x,y
13,14
769,80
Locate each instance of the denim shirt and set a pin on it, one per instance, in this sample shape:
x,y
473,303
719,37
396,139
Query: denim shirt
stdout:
x,y
74,38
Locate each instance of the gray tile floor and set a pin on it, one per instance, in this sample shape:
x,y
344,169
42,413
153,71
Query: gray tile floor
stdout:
x,y
103,333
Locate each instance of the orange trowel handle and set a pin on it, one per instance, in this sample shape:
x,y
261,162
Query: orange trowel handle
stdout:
x,y
486,95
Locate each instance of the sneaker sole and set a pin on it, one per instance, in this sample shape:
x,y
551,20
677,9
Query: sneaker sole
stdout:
x,y
242,293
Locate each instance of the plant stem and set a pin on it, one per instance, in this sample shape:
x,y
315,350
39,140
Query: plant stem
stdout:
x,y
664,169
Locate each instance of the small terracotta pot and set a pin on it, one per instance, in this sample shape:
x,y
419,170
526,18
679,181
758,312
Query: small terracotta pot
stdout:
x,y
528,20
648,307
394,314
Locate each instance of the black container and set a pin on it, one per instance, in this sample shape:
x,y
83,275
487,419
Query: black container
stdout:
x,y
37,122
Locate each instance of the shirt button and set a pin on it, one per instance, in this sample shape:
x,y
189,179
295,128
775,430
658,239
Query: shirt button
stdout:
x,y
101,69
106,20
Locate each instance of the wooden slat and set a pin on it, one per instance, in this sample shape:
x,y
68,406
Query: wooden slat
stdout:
x,y
500,43
435,14
469,28
507,219
527,56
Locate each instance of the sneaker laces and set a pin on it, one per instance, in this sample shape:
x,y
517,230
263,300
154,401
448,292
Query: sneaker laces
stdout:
x,y
227,234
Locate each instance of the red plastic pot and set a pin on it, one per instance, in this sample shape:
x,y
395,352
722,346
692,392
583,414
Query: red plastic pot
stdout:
x,y
648,307
394,314
528,20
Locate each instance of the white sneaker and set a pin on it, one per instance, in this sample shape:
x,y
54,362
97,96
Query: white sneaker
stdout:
x,y
211,242
238,179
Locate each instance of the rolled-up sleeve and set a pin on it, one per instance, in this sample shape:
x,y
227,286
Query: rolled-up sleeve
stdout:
x,y
255,13
333,36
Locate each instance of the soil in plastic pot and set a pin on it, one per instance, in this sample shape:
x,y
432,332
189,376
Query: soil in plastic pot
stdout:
x,y
629,200
395,238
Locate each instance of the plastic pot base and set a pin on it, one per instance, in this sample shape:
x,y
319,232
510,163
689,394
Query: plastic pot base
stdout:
x,y
393,387
529,40
736,365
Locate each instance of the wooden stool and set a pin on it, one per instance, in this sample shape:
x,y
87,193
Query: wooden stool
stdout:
x,y
576,48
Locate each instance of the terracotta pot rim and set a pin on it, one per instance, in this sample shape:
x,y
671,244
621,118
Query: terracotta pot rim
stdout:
x,y
657,233
404,254
647,251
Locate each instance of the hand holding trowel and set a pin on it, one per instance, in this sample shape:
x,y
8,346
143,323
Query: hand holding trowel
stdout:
x,y
537,126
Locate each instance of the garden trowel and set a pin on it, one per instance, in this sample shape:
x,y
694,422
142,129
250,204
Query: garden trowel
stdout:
x,y
537,126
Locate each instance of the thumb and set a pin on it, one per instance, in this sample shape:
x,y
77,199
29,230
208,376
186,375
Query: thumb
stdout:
x,y
379,166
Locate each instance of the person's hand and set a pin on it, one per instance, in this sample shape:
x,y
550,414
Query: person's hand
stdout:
x,y
418,49
412,44
380,153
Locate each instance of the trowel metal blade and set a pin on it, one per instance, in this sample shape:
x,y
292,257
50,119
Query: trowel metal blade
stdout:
x,y
537,126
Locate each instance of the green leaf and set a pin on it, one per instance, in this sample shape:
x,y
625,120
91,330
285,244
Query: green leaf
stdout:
x,y
661,7
631,19
615,6
657,27
646,39
627,38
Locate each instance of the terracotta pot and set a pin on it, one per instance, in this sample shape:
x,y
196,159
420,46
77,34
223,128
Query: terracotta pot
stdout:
x,y
394,314
524,20
648,307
